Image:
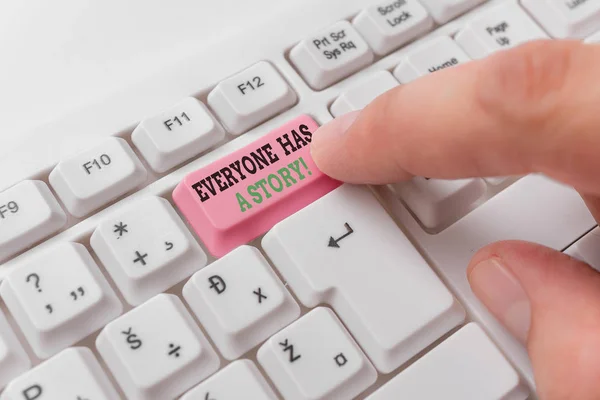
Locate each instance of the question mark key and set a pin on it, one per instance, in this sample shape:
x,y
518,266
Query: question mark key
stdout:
x,y
63,304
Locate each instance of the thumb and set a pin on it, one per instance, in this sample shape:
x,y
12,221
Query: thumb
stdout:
x,y
552,303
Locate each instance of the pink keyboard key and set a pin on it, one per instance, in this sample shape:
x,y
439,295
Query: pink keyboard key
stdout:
x,y
241,196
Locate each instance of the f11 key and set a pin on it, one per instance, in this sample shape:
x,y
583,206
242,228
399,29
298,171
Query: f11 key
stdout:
x,y
243,195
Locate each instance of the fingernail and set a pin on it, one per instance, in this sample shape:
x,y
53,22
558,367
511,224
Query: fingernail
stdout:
x,y
325,140
338,126
500,291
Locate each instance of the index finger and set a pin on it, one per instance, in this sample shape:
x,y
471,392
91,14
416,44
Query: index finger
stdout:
x,y
530,109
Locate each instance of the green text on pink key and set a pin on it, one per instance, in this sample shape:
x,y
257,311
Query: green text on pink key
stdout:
x,y
241,196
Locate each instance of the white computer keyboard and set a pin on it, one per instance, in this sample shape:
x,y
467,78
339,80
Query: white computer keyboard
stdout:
x,y
177,259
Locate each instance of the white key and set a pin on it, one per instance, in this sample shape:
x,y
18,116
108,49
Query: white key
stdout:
x,y
392,23
177,134
239,380
587,249
358,97
146,256
315,358
346,251
240,301
467,365
331,55
59,297
566,18
251,97
156,351
13,359
28,213
436,202
97,176
501,27
496,180
73,374
445,10
595,38
534,209
432,56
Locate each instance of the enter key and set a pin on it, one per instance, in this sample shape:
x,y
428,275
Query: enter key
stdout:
x,y
243,195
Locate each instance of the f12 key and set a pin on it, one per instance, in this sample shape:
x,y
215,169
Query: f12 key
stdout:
x,y
243,195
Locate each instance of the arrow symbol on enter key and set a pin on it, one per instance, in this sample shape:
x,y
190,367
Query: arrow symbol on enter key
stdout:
x,y
335,242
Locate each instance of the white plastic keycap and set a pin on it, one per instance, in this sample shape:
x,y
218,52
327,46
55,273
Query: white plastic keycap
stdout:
x,y
445,10
73,374
595,38
240,301
564,19
13,359
331,55
156,351
177,134
359,96
501,27
251,97
28,213
520,212
239,380
467,365
316,359
97,176
59,297
587,249
147,248
390,24
437,202
432,56
496,180
346,251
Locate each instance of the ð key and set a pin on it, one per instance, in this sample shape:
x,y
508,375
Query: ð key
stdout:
x,y
331,55
239,380
566,19
346,251
239,301
93,178
156,351
501,27
58,297
241,196
28,213
316,359
73,374
250,97
467,365
435,55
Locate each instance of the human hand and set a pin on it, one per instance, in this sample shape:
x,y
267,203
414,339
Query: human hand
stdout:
x,y
533,109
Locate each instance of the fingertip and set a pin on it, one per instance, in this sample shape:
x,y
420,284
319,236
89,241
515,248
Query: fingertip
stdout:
x,y
326,140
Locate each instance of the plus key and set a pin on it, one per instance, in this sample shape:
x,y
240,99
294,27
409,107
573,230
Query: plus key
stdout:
x,y
141,258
